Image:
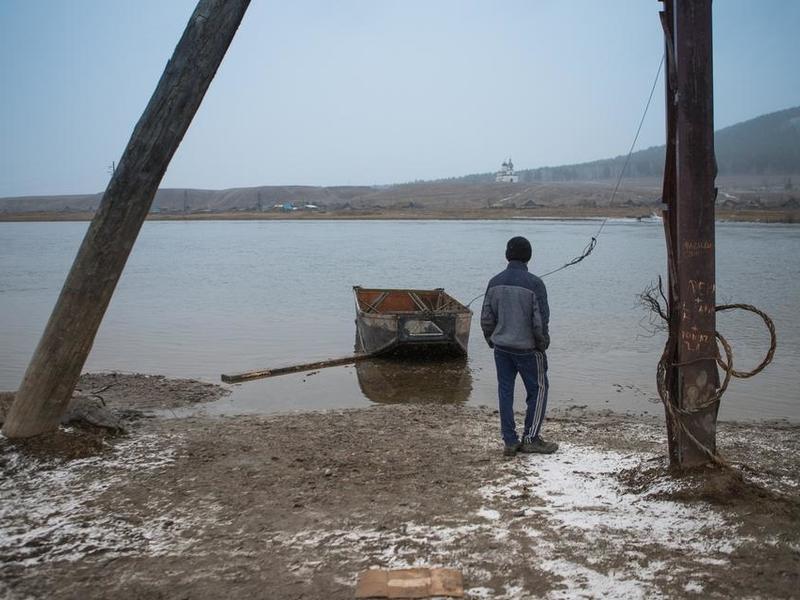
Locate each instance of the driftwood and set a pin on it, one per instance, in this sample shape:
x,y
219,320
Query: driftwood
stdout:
x,y
82,409
274,372
53,372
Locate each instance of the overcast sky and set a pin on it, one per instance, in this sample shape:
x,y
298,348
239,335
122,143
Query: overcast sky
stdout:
x,y
365,92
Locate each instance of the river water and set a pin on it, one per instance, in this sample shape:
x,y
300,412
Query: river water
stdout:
x,y
201,298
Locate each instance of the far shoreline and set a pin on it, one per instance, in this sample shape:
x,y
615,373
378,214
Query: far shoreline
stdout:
x,y
789,216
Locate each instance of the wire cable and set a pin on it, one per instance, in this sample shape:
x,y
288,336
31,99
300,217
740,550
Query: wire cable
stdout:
x,y
593,242
589,248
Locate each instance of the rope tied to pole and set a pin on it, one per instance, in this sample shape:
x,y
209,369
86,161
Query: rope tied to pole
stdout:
x,y
586,252
665,363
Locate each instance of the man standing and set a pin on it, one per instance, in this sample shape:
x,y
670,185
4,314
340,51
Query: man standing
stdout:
x,y
515,319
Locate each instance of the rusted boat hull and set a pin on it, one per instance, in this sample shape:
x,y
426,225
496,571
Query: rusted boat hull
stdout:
x,y
416,321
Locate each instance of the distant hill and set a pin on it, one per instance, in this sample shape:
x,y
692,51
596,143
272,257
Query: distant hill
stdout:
x,y
766,145
194,200
759,163
457,196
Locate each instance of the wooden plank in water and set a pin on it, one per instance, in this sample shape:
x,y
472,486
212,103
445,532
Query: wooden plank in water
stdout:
x,y
320,364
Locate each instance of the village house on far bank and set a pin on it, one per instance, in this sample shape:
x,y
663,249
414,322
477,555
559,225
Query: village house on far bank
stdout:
x,y
289,207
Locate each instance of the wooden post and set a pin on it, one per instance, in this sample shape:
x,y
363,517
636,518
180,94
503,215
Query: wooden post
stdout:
x,y
693,286
54,370
668,198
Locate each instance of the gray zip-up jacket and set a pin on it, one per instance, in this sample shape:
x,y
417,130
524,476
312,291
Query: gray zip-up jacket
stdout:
x,y
515,313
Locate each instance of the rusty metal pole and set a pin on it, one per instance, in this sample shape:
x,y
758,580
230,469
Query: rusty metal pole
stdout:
x,y
695,171
54,370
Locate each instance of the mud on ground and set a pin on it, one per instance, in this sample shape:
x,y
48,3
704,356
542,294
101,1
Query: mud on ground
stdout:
x,y
294,506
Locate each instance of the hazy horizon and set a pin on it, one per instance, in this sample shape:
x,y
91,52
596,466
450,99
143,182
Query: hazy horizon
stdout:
x,y
358,93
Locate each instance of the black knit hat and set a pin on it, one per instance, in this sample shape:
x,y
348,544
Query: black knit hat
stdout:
x,y
518,248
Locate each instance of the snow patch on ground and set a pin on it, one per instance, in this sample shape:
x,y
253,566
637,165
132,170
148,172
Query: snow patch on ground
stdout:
x,y
693,587
488,513
583,582
47,512
575,493
411,545
551,509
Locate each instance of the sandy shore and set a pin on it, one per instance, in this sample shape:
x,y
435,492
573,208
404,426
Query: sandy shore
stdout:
x,y
295,505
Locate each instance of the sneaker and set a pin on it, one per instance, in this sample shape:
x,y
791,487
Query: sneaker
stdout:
x,y
511,450
538,446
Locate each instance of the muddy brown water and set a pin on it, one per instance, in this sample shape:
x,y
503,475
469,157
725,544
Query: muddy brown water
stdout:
x,y
199,299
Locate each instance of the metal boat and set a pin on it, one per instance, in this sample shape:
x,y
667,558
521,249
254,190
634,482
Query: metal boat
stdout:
x,y
389,320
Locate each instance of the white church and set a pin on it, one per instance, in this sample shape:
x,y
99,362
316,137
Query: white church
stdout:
x,y
506,173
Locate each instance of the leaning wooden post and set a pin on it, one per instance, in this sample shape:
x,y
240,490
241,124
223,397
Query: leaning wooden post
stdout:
x,y
56,365
697,376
